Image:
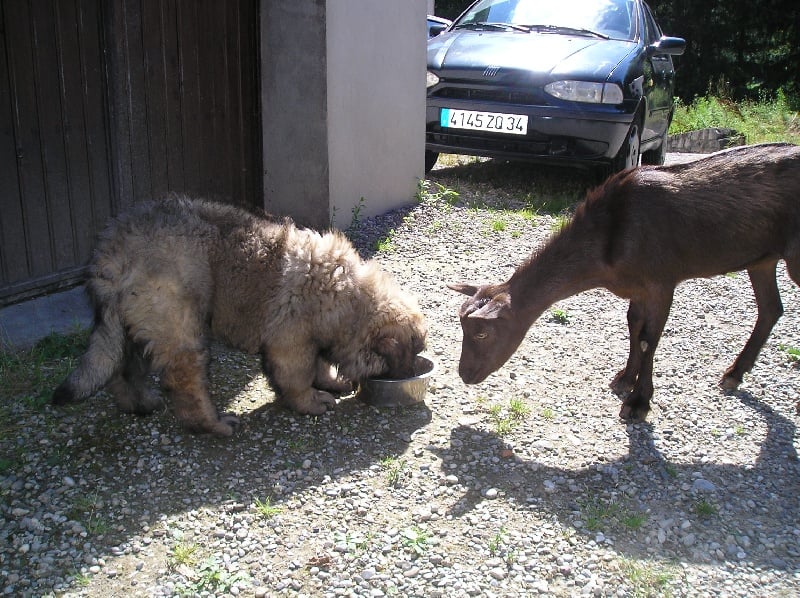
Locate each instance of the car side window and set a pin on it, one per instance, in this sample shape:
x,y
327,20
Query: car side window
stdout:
x,y
652,31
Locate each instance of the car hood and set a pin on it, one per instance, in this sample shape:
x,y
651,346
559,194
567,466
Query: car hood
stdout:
x,y
525,57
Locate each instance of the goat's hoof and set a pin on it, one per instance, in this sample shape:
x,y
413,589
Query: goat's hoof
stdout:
x,y
729,383
620,385
633,413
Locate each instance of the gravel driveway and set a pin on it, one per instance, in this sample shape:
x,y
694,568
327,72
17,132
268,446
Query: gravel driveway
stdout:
x,y
525,484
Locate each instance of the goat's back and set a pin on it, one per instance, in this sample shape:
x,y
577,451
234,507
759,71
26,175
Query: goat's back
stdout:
x,y
714,215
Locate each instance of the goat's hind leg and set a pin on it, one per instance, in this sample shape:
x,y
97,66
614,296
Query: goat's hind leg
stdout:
x,y
770,309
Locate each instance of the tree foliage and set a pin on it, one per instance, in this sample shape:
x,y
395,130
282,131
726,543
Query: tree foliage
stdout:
x,y
735,50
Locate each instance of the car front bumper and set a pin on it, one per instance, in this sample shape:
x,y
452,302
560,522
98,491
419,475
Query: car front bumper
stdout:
x,y
555,134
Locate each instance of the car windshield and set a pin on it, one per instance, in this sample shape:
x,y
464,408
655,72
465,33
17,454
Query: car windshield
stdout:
x,y
602,18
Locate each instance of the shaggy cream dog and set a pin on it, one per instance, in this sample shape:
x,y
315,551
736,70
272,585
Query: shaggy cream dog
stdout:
x,y
168,272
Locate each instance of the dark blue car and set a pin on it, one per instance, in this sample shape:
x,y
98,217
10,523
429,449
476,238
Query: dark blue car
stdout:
x,y
573,81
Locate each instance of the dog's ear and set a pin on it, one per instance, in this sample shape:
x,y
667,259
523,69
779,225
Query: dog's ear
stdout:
x,y
395,347
388,344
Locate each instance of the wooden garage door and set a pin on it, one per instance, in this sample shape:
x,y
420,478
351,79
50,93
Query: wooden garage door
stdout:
x,y
185,98
55,180
104,103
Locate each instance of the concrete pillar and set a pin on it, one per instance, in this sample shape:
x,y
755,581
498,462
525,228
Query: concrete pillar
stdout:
x,y
343,105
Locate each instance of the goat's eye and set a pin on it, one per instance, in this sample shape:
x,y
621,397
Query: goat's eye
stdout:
x,y
481,335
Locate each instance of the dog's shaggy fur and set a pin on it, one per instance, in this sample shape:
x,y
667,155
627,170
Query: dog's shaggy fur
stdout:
x,y
167,272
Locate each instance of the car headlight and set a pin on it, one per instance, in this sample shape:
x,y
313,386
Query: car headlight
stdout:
x,y
431,80
585,91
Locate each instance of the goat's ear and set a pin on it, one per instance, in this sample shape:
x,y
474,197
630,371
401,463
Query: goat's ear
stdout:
x,y
463,288
495,308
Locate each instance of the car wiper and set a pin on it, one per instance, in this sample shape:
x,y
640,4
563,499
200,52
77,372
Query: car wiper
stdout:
x,y
480,25
562,29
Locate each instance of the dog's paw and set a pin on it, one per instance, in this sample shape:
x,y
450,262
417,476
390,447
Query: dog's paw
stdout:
x,y
226,425
63,395
313,402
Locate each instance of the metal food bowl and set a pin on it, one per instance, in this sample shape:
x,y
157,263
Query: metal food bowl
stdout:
x,y
398,393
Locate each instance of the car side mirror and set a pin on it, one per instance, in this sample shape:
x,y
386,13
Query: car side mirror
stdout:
x,y
435,30
667,45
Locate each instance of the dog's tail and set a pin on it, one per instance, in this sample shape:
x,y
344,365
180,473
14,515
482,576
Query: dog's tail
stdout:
x,y
102,359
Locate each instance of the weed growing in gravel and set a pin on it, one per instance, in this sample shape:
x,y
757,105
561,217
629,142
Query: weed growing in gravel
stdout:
x,y
354,543
559,315
548,414
596,514
183,554
80,579
415,539
433,192
266,509
395,470
355,220
648,579
386,244
559,223
793,353
498,225
703,508
634,520
504,419
211,577
497,541
85,509
518,408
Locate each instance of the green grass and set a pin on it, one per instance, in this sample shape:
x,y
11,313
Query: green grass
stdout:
x,y
266,509
395,470
30,376
703,508
559,315
211,577
504,419
763,121
793,353
498,225
386,244
183,554
415,539
649,578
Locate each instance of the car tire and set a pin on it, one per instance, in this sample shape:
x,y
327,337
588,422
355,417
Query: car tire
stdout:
x,y
656,156
430,160
628,155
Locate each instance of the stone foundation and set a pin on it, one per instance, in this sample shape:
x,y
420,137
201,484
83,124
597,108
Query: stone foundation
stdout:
x,y
704,141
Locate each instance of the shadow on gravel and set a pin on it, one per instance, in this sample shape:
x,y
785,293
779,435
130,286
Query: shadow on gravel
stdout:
x,y
493,184
626,500
117,474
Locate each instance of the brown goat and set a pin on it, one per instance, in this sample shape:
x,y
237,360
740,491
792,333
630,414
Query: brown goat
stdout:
x,y
638,235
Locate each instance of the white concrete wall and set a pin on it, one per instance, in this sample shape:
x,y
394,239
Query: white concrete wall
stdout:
x,y
376,104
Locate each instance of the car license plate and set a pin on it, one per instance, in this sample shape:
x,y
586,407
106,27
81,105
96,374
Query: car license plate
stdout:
x,y
496,122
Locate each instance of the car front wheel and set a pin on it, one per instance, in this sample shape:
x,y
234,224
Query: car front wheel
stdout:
x,y
430,160
658,155
628,155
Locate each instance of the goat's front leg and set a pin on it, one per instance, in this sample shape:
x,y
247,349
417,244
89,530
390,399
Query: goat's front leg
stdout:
x,y
625,379
656,311
770,309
